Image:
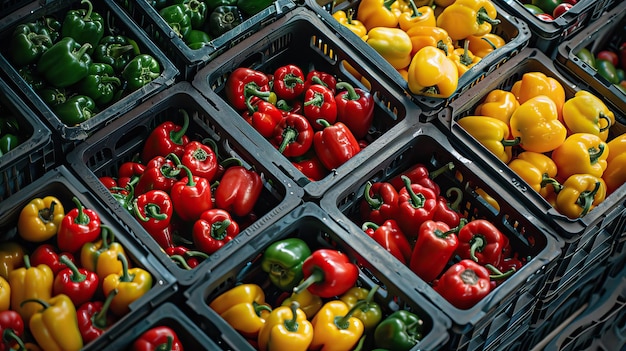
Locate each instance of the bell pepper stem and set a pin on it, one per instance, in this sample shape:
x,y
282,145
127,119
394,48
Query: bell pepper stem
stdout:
x,y
497,274
585,199
81,218
292,324
76,276
125,277
116,51
99,319
608,122
513,142
106,233
352,94
483,16
167,346
595,153
342,322
190,181
43,303
289,136
477,243
417,200
180,260
251,90
374,202
465,57
9,336
493,46
316,276
26,261
469,277
317,79
47,213
317,100
547,180
414,9
177,136
441,170
457,198
172,157
113,80
231,161
359,345
151,210
87,16
369,225
219,229
259,308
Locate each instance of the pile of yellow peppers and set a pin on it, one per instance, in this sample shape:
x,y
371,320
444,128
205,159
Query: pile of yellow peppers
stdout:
x,y
431,44
562,147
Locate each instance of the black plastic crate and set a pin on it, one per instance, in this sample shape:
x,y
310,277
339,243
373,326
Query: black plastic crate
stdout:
x,y
605,34
171,316
59,182
8,6
187,60
105,151
607,216
34,156
301,38
474,328
69,135
547,35
513,30
311,224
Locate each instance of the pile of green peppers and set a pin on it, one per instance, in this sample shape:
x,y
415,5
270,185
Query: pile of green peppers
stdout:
x,y
197,22
75,66
10,133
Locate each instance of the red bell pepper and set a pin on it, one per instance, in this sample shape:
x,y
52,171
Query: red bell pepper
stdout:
x,y
355,109
335,144
130,169
435,246
287,107
446,213
322,78
79,226
12,330
263,116
48,254
238,190
464,284
108,182
161,173
311,167
79,284
154,210
158,338
391,238
167,138
244,84
482,242
93,318
191,196
288,82
319,103
200,159
416,205
293,135
214,229
379,203
327,273
419,174
182,255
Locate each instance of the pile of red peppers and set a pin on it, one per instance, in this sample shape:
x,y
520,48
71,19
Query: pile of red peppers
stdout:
x,y
312,119
463,259
184,197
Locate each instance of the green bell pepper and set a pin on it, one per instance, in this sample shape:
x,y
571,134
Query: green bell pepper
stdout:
x,y
533,9
587,57
400,331
196,10
8,142
115,50
223,19
607,70
52,96
141,70
75,110
31,77
52,27
101,84
213,4
177,19
28,42
198,39
252,7
84,25
369,312
283,259
65,63
547,6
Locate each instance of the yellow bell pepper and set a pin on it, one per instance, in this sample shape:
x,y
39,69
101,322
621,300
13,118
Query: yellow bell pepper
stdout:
x,y
286,328
492,133
444,3
488,198
581,193
11,257
617,146
540,181
309,303
131,285
376,13
404,73
418,16
399,7
615,173
55,326
244,308
39,220
422,36
549,185
536,125
581,153
335,328
468,17
5,295
586,113
464,59
354,25
432,73
393,44
498,104
369,312
30,283
537,83
101,256
483,45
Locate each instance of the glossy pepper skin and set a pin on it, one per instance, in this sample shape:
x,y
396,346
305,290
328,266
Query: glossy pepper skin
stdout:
x,y
11,329
28,42
84,25
435,246
419,174
11,257
76,110
483,45
160,174
537,126
615,174
213,230
586,113
283,260
481,241
355,109
5,295
376,13
538,180
390,237
116,51
167,138
154,210
101,256
191,196
293,136
468,17
464,284
418,16
464,59
197,11
581,153
64,63
328,273
492,133
93,318
319,103
310,304
311,167
432,73
393,44
100,84
131,285
499,104
39,219
287,327
29,282
244,308
56,325
200,159
346,19
177,19
335,327
400,331
335,144
263,116
533,84
48,254
238,191
368,310
244,83
288,82
140,71
79,284
416,205
158,338
79,226
422,36
379,202
581,193
223,19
